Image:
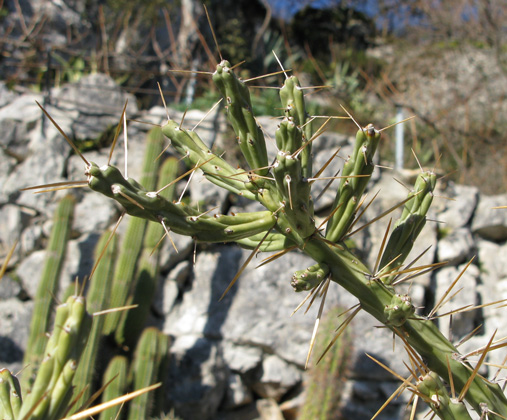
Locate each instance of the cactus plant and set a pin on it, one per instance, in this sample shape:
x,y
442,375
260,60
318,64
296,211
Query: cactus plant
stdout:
x,y
124,280
48,286
284,189
54,369
115,381
98,296
326,378
132,322
52,391
151,351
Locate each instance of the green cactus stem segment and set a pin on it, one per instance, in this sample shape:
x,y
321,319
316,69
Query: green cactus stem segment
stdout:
x,y
116,378
239,112
217,170
134,198
150,352
295,193
441,403
10,395
408,226
399,310
293,102
52,389
133,321
48,287
178,217
359,167
310,277
98,297
288,136
273,242
422,334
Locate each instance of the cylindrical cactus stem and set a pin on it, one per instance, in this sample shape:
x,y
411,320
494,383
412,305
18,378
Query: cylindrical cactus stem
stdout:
x,y
292,186
445,407
324,386
62,392
150,352
216,169
124,281
178,217
47,288
310,277
239,111
295,192
273,242
408,227
288,136
52,389
125,269
420,333
359,168
10,395
116,379
132,322
293,102
98,296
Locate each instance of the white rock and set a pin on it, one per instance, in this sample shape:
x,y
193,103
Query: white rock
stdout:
x,y
277,378
456,247
488,222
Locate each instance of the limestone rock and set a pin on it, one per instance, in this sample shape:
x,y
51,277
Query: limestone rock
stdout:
x,y
276,378
458,210
98,101
456,247
488,222
197,379
462,322
14,323
237,393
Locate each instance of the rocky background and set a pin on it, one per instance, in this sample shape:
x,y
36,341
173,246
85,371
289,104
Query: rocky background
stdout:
x,y
243,357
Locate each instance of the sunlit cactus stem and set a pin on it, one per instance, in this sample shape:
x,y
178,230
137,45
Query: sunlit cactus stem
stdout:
x,y
115,381
408,227
309,278
133,321
240,113
98,297
124,281
52,390
149,356
10,395
437,397
356,175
